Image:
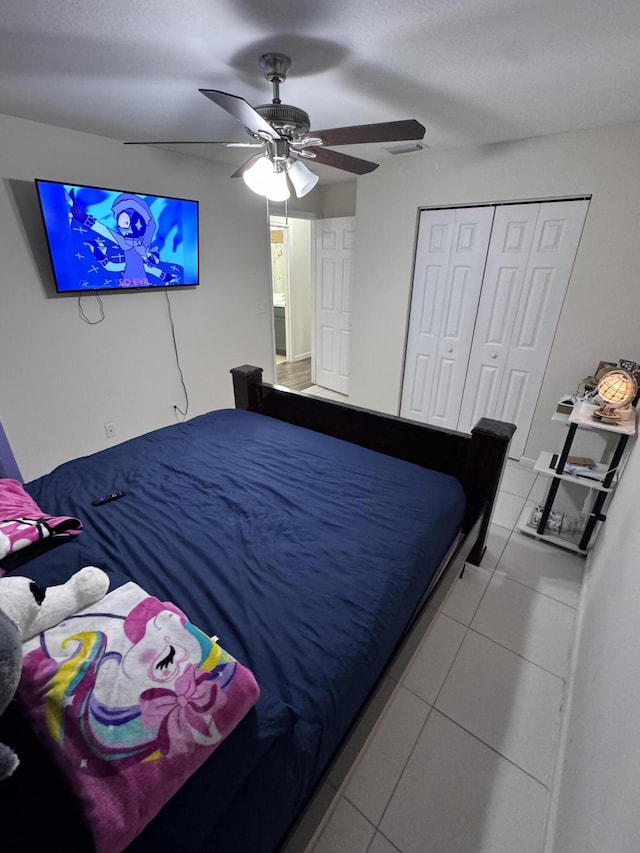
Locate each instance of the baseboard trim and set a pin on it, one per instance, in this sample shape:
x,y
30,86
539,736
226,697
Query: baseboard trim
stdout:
x,y
567,704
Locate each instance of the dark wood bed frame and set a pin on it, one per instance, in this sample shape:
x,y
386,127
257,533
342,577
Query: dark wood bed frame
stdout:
x,y
476,460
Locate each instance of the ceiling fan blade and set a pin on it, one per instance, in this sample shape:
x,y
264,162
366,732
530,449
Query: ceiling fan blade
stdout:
x,y
249,163
386,131
245,144
240,109
342,161
180,142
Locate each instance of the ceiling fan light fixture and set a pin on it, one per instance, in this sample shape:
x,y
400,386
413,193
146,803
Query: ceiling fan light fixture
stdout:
x,y
303,179
264,178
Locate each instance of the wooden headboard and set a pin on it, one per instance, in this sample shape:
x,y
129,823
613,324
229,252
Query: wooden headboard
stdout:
x,y
476,460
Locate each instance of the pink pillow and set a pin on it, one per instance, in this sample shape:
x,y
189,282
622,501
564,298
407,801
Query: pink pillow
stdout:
x,y
24,524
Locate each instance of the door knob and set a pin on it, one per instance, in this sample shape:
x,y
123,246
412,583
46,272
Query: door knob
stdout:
x,y
494,355
449,349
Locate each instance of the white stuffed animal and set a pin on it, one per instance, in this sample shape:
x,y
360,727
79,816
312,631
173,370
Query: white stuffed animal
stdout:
x,y
53,603
26,609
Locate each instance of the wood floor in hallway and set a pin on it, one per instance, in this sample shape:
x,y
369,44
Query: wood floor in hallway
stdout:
x,y
294,374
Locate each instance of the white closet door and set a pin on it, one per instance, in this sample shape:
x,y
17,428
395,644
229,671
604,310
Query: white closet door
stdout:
x,y
553,252
511,239
531,254
450,258
335,245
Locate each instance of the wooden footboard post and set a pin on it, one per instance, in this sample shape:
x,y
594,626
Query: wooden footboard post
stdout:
x,y
247,387
489,445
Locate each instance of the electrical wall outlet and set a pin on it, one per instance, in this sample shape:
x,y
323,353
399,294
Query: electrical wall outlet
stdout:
x,y
110,430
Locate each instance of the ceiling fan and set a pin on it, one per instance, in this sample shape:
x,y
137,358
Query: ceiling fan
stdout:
x,y
281,134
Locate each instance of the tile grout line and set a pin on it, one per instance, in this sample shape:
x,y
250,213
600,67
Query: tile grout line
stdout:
x,y
377,831
429,705
341,792
532,589
433,706
406,762
517,654
476,631
492,748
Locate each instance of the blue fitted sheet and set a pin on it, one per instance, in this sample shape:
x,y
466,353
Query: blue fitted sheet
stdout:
x,y
306,555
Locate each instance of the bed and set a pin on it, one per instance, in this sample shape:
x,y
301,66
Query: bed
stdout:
x,y
306,535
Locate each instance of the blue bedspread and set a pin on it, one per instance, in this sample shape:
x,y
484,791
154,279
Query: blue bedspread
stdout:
x,y
305,555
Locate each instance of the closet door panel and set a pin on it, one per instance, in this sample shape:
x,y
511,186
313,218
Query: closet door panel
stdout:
x,y
450,258
511,241
553,250
515,383
435,231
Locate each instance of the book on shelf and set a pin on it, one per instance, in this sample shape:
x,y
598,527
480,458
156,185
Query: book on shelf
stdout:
x,y
581,466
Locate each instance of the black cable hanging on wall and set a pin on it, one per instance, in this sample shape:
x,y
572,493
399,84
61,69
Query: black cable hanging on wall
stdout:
x,y
175,348
84,317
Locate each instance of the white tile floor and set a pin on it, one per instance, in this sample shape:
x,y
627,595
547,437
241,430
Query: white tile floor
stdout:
x,y
319,391
462,755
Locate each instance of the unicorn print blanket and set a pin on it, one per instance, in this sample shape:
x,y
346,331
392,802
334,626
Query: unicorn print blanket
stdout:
x,y
131,698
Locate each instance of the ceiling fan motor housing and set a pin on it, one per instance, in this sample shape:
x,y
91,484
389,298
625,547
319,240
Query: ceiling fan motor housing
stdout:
x,y
287,120
275,66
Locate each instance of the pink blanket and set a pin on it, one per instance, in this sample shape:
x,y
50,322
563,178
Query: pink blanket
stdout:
x,y
131,698
23,523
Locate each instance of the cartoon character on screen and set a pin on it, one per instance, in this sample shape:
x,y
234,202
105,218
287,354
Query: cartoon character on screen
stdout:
x,y
136,259
139,690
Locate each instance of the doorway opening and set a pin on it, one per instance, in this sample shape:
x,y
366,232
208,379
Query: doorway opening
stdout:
x,y
311,262
291,278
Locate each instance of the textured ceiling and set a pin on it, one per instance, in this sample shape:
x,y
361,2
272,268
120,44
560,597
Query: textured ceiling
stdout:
x,y
472,71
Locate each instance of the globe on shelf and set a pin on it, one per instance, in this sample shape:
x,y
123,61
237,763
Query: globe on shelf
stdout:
x,y
617,388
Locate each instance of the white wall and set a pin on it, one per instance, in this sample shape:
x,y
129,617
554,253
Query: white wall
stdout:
x,y
61,379
598,798
604,162
337,199
300,287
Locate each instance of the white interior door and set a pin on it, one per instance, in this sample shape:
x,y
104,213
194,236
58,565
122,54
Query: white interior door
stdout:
x,y
335,244
531,254
449,267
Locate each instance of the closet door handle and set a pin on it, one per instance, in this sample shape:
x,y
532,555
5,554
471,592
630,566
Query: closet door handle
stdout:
x,y
449,349
494,355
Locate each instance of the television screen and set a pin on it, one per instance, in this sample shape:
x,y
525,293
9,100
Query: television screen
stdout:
x,y
104,239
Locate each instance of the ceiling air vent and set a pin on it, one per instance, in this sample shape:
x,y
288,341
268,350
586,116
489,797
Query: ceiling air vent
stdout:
x,y
408,148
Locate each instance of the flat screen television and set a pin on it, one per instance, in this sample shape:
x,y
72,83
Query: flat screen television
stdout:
x,y
104,239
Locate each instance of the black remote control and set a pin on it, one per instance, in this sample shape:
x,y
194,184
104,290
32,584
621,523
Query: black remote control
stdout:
x,y
105,499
